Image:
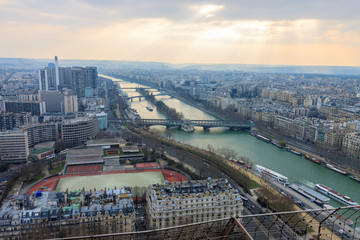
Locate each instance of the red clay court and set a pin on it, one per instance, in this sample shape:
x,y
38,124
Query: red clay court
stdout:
x,y
50,184
90,168
147,165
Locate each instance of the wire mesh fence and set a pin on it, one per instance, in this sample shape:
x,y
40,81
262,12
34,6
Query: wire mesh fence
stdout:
x,y
335,223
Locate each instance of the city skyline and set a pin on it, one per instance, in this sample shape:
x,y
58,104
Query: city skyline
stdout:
x,y
210,32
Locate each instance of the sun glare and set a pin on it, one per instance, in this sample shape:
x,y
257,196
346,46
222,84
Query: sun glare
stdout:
x,y
207,10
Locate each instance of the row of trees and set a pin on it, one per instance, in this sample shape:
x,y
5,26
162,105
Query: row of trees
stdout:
x,y
168,111
25,173
275,202
212,160
229,154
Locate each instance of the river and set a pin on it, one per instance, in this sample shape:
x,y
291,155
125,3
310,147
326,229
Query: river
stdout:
x,y
296,168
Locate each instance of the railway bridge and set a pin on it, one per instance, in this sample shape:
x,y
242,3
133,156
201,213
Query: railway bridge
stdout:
x,y
206,124
140,96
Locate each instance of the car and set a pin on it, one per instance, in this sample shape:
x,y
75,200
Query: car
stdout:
x,y
300,203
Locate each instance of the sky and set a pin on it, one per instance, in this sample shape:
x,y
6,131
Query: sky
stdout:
x,y
286,32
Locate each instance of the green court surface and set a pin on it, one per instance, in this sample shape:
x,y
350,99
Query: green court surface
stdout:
x,y
141,179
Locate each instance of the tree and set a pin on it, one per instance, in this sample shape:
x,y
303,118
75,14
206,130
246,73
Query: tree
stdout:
x,y
59,145
282,143
168,134
4,167
211,148
226,152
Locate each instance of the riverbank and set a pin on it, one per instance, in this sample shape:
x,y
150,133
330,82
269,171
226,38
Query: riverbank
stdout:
x,y
296,168
204,156
305,150
200,107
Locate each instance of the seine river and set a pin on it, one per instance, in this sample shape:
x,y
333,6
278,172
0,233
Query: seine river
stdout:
x,y
296,168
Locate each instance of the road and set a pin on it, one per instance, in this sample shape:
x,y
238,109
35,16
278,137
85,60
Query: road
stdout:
x,y
267,227
331,223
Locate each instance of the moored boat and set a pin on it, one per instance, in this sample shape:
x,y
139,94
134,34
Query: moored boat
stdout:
x,y
314,160
355,178
187,128
276,144
295,152
265,139
309,193
334,195
270,174
331,167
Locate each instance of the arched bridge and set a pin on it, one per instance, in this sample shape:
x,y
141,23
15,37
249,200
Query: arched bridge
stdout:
x,y
140,96
206,124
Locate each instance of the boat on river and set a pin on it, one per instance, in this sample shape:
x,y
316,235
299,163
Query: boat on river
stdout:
x,y
187,126
295,152
312,159
270,174
334,195
355,178
329,166
310,194
261,137
275,143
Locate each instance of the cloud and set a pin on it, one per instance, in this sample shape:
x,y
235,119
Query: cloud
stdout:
x,y
207,10
212,31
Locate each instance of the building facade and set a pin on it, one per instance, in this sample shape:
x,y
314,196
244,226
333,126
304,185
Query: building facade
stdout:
x,y
53,100
38,133
77,131
36,108
9,121
14,147
351,145
177,203
102,119
70,104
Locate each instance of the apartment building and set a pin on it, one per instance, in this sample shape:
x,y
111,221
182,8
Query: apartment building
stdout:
x,y
177,203
77,131
14,147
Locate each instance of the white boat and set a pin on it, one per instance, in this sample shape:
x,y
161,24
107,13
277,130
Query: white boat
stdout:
x,y
334,195
329,166
187,128
310,194
268,173
261,137
295,152
149,108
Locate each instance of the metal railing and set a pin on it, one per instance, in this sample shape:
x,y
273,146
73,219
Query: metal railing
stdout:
x,y
335,223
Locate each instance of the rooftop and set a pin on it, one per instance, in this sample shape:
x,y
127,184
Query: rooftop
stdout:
x,y
39,151
81,156
76,120
191,189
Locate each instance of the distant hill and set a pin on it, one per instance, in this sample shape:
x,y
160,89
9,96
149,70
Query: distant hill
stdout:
x,y
24,63
331,70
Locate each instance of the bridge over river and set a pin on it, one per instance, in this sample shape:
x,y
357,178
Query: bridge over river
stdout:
x,y
206,124
141,96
